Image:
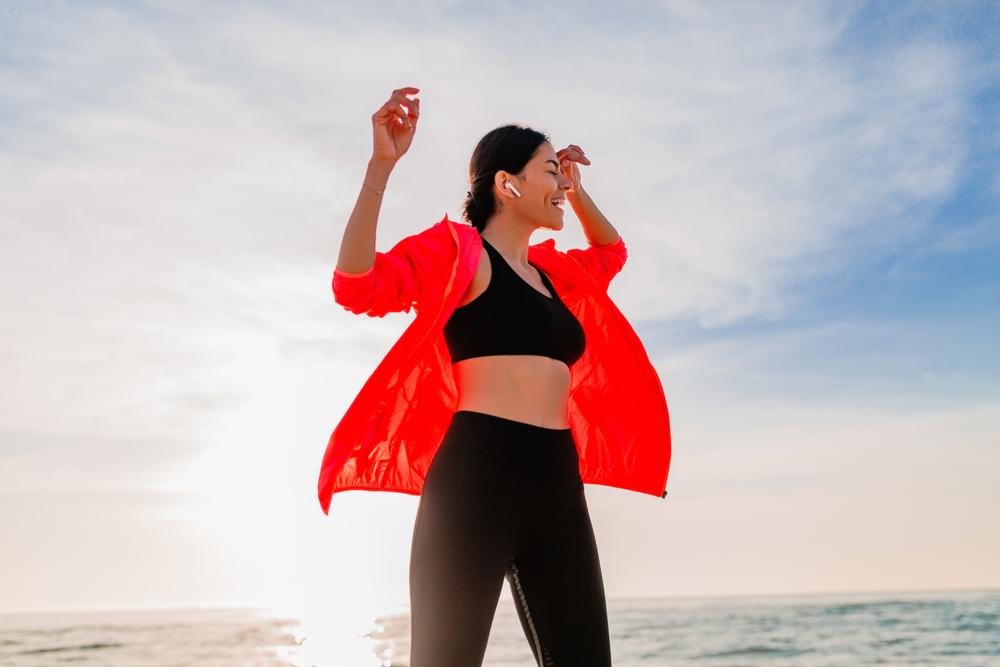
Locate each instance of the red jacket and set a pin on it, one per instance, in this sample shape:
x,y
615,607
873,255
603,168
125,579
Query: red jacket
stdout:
x,y
391,431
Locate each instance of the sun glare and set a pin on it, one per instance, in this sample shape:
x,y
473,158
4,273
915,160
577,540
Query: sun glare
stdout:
x,y
336,636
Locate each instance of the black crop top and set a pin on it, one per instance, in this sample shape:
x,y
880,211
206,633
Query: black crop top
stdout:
x,y
512,317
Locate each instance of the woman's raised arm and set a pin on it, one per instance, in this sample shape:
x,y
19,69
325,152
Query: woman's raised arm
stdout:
x,y
366,281
393,127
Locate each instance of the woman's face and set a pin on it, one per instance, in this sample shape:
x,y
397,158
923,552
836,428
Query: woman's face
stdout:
x,y
540,183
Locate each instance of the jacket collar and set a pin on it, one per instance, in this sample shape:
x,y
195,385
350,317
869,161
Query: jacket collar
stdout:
x,y
566,275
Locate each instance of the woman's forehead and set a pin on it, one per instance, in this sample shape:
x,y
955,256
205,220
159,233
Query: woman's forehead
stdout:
x,y
545,152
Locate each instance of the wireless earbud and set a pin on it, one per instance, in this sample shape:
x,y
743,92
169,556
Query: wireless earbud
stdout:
x,y
510,186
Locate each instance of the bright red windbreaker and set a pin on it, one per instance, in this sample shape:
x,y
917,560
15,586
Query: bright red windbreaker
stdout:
x,y
389,434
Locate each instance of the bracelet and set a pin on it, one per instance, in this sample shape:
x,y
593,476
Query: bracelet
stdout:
x,y
378,192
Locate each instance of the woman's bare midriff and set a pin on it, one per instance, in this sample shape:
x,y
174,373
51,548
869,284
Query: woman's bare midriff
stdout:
x,y
527,388
524,387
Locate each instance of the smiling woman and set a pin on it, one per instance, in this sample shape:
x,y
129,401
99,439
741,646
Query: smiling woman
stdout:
x,y
525,162
518,382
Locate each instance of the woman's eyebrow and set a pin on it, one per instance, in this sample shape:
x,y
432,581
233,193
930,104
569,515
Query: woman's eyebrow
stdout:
x,y
554,162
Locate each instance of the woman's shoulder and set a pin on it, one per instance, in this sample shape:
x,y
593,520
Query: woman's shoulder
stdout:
x,y
434,244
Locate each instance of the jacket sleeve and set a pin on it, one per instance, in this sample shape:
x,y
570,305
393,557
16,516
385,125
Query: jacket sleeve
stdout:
x,y
602,262
396,282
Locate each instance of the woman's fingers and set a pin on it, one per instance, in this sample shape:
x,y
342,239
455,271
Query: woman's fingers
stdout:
x,y
400,94
410,105
406,110
415,117
399,106
574,153
389,112
578,154
397,112
568,158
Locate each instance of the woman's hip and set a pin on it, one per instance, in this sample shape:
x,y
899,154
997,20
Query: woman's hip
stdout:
x,y
496,449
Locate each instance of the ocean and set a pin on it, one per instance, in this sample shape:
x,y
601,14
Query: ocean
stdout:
x,y
930,628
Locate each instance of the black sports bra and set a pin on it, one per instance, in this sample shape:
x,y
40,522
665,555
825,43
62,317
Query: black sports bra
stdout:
x,y
512,317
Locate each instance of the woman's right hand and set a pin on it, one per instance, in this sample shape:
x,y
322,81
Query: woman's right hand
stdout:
x,y
392,127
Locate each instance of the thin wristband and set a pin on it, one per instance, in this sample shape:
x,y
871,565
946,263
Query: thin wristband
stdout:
x,y
378,192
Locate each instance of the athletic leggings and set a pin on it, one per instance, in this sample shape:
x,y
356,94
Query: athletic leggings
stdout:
x,y
504,498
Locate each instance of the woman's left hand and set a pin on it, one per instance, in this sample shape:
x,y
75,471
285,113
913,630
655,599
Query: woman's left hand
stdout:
x,y
568,157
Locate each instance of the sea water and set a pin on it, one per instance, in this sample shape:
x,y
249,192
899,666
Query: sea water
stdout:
x,y
933,628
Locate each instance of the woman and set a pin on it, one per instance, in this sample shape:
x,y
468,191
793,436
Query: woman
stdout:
x,y
517,382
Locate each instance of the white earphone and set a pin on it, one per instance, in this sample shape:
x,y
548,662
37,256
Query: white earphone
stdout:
x,y
510,186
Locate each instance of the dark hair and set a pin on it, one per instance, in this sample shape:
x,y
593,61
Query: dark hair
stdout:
x,y
508,147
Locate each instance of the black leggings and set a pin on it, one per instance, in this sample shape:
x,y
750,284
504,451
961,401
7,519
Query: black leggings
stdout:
x,y
503,498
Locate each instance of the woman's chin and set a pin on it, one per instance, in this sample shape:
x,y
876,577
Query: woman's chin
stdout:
x,y
556,220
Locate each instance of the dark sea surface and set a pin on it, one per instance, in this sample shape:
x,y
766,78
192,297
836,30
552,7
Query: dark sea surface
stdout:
x,y
933,628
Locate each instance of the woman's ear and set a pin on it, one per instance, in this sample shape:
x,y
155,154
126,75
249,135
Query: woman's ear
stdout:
x,y
501,181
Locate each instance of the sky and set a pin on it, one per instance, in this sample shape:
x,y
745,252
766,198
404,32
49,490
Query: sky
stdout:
x,y
808,191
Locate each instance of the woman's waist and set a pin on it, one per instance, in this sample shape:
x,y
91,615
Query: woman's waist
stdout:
x,y
514,372
524,388
536,407
484,446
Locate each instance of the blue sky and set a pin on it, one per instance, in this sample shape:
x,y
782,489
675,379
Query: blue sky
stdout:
x,y
809,195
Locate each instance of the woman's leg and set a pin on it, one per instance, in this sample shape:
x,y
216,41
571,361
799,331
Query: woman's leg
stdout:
x,y
557,583
458,557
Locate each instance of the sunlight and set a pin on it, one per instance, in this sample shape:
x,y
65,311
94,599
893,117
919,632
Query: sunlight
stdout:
x,y
327,636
